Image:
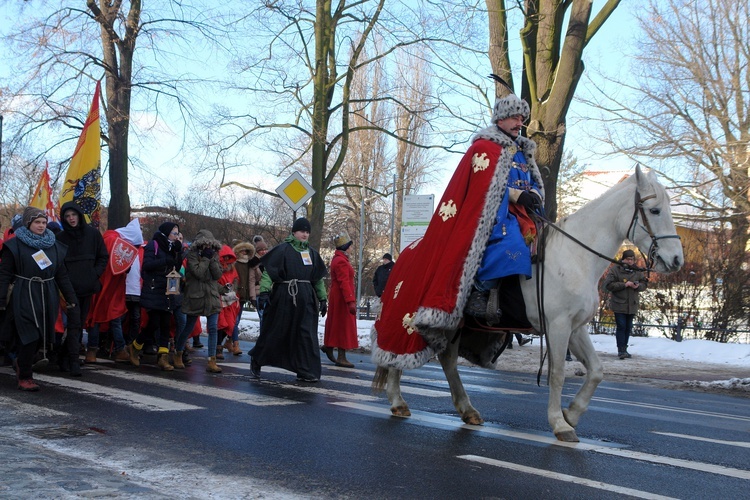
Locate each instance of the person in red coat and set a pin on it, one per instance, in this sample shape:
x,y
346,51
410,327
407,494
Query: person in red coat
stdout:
x,y
341,322
108,305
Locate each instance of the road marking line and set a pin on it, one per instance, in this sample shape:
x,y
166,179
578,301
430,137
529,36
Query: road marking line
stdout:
x,y
305,388
741,444
585,445
10,405
565,477
120,396
431,393
670,408
676,462
419,417
203,390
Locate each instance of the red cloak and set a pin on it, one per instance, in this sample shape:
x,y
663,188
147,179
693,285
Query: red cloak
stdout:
x,y
430,283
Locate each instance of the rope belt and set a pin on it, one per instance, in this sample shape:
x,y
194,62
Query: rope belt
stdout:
x,y
41,281
293,289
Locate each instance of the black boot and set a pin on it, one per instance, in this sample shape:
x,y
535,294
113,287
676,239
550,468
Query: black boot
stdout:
x,y
74,364
477,304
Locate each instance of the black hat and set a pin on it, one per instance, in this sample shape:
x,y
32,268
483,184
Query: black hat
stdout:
x,y
167,227
301,224
628,253
388,256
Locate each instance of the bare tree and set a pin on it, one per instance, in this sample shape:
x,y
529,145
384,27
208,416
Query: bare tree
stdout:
x,y
56,63
315,107
554,35
687,112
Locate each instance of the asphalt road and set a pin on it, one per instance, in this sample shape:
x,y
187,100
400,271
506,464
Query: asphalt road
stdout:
x,y
124,432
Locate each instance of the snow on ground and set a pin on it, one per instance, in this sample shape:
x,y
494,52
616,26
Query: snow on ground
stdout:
x,y
689,351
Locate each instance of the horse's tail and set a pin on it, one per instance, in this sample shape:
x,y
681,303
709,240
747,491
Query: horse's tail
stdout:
x,y
380,380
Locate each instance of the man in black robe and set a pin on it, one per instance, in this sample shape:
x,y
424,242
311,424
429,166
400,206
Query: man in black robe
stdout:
x,y
292,294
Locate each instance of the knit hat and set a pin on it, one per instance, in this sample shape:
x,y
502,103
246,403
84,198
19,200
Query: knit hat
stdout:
x,y
16,221
167,227
388,256
628,254
508,106
54,226
342,241
301,224
30,214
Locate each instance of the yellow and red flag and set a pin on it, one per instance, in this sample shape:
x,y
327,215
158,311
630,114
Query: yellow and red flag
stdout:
x,y
42,198
83,181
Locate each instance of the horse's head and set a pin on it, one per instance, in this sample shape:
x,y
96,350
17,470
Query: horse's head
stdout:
x,y
652,228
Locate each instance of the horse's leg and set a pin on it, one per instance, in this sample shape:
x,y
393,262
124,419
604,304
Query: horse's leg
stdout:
x,y
449,360
399,407
583,349
558,345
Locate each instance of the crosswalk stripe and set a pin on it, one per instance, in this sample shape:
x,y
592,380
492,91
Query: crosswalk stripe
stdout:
x,y
116,395
739,444
203,390
12,406
434,381
565,477
312,389
674,409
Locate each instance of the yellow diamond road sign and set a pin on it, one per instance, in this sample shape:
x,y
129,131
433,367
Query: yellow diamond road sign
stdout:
x,y
295,191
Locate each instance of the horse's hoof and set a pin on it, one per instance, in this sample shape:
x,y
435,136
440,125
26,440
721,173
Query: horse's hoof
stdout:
x,y
400,411
473,419
567,436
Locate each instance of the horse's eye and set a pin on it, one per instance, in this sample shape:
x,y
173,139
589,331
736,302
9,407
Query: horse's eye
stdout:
x,y
655,211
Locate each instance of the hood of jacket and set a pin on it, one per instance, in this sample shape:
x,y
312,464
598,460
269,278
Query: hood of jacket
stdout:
x,y
72,205
242,246
226,255
132,233
205,238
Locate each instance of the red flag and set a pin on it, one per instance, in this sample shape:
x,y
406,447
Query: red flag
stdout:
x,y
42,198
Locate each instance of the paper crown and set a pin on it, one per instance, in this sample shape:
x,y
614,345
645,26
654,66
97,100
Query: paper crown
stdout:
x,y
341,239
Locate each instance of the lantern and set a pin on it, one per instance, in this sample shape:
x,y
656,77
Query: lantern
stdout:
x,y
173,282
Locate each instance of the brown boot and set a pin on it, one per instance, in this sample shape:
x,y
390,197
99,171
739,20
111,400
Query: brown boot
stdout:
x,y
90,355
342,361
177,360
135,353
212,367
236,348
122,356
163,362
329,353
219,353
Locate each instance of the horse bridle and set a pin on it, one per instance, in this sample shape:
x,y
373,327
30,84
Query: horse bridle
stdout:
x,y
654,247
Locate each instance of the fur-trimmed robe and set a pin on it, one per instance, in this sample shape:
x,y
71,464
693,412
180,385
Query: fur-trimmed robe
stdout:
x,y
427,290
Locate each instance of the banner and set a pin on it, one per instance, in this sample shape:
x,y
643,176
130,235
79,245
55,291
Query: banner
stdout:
x,y
83,181
42,198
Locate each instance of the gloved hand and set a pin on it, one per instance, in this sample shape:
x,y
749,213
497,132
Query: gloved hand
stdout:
x,y
207,252
531,201
352,307
323,307
263,300
70,306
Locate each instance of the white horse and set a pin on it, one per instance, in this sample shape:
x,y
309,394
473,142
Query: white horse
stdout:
x,y
636,209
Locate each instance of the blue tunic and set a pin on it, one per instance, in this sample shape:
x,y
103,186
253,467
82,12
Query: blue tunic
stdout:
x,y
507,253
